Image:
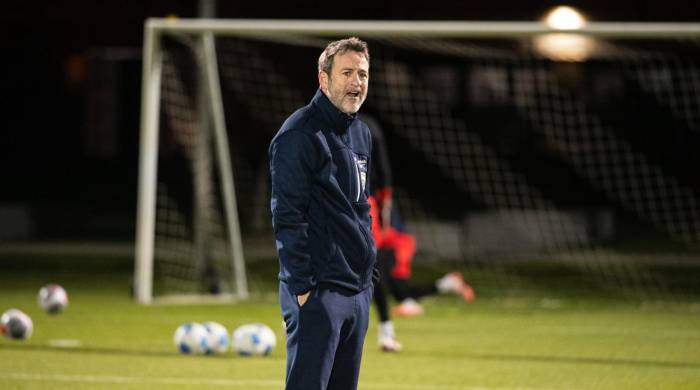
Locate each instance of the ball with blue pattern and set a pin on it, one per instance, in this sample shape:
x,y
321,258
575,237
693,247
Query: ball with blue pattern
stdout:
x,y
191,338
254,340
218,340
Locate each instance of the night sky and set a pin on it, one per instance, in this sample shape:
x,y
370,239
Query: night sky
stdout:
x,y
54,166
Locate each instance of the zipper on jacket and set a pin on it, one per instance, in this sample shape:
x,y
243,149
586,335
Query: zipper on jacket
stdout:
x,y
368,252
366,239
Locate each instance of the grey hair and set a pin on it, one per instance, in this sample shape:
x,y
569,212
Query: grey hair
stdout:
x,y
325,60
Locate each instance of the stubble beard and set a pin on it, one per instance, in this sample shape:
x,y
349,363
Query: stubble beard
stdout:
x,y
338,98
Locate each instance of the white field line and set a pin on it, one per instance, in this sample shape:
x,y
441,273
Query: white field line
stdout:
x,y
138,380
224,382
65,343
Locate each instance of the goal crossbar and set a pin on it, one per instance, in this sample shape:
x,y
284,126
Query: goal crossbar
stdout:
x,y
484,29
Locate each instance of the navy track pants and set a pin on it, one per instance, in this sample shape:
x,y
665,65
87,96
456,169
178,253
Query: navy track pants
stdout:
x,y
325,337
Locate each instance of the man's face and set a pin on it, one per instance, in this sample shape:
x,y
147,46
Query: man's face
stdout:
x,y
346,87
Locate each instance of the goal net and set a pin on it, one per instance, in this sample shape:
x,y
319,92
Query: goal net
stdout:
x,y
528,158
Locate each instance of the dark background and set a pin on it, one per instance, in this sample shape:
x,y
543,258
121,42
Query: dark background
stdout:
x,y
72,89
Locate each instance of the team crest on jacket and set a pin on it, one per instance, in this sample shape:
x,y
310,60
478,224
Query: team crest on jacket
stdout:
x,y
361,170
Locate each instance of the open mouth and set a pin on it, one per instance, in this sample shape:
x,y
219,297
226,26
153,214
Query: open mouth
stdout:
x,y
354,95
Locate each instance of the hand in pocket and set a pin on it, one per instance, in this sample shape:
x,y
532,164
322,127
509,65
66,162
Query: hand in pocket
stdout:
x,y
303,298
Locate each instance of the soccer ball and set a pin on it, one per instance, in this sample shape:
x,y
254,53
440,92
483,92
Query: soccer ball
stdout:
x,y
218,340
14,324
191,338
52,298
254,339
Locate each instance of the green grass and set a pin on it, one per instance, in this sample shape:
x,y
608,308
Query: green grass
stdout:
x,y
528,342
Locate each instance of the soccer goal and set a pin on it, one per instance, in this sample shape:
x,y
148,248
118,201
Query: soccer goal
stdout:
x,y
514,148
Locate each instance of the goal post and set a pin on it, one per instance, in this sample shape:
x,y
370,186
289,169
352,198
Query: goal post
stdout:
x,y
145,222
210,110
572,148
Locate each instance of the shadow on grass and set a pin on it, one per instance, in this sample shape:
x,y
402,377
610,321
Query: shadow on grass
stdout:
x,y
568,360
114,351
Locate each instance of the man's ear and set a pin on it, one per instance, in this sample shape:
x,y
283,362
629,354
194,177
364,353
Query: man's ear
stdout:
x,y
323,81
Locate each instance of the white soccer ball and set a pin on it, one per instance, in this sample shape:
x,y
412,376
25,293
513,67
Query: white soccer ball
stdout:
x,y
218,340
191,338
254,339
14,324
53,298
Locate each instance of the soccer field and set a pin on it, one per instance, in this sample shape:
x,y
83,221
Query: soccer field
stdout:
x,y
105,341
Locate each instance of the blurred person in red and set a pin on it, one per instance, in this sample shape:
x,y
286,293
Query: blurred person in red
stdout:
x,y
395,251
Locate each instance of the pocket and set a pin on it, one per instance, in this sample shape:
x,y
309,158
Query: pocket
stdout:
x,y
362,209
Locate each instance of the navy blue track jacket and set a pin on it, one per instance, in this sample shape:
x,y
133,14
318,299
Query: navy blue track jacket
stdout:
x,y
319,162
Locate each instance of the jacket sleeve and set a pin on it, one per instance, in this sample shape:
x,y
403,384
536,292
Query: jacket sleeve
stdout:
x,y
291,168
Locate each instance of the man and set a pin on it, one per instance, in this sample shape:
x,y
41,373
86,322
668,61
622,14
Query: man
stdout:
x,y
319,163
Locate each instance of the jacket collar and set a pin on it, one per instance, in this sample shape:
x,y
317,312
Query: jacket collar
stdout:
x,y
340,120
